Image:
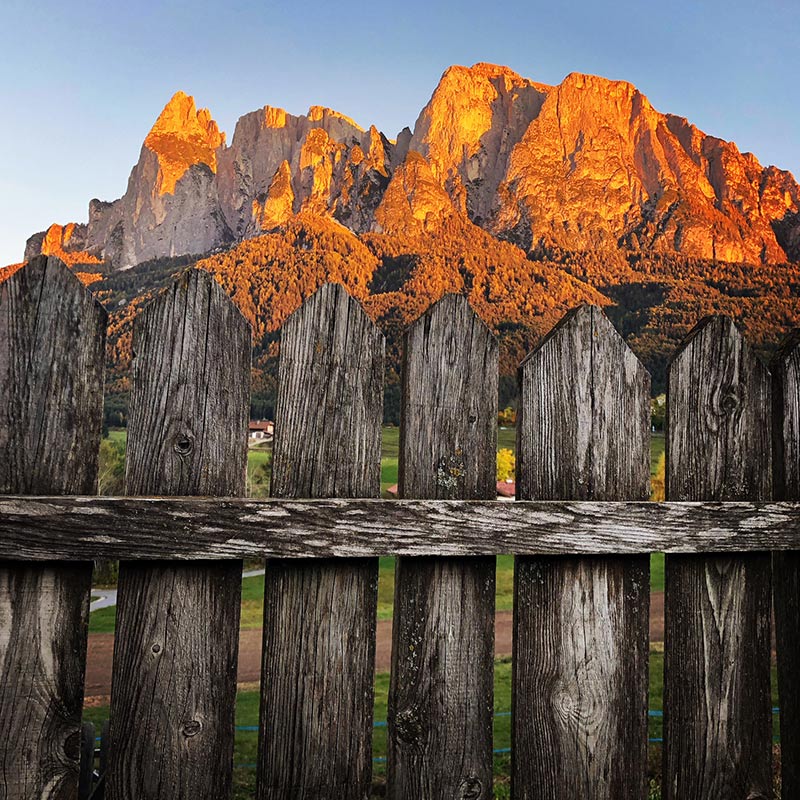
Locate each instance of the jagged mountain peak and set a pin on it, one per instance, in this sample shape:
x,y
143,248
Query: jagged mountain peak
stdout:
x,y
181,137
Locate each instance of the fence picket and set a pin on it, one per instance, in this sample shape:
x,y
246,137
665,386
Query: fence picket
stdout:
x,y
320,617
580,668
174,683
717,718
441,691
52,355
786,565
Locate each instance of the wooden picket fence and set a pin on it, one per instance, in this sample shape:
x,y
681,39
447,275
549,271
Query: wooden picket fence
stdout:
x,y
581,532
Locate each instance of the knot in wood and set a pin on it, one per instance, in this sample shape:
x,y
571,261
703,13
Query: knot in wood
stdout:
x,y
408,726
183,444
192,727
156,648
470,789
729,401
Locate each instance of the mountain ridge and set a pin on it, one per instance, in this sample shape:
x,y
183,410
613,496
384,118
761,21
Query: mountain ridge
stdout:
x,y
585,164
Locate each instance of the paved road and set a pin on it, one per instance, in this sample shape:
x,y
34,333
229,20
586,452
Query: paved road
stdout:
x,y
101,648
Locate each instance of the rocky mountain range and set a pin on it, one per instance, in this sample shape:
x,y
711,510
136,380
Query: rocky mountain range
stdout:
x,y
585,165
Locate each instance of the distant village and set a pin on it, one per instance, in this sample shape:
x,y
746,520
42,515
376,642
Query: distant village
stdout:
x,y
260,431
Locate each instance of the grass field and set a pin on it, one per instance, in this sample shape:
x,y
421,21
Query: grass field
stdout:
x,y
247,717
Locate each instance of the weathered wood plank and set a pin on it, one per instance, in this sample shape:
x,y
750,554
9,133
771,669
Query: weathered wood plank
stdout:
x,y
319,617
173,692
786,566
52,353
441,690
580,671
717,721
69,529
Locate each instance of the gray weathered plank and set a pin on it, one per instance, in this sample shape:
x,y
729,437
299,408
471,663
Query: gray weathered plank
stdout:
x,y
52,353
717,724
319,617
786,566
173,691
441,690
580,669
67,529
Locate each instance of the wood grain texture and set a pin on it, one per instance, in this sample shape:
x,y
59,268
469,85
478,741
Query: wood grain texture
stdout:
x,y
111,528
786,566
580,668
441,690
52,353
717,719
320,617
175,654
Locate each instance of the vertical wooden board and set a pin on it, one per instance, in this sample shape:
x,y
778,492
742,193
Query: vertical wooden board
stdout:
x,y
52,360
320,617
52,354
441,691
717,721
175,651
786,565
580,665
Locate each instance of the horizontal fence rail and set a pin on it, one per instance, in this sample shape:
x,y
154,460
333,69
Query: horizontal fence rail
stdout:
x,y
77,528
580,530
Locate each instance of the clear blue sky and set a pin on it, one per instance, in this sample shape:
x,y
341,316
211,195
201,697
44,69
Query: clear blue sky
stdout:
x,y
81,83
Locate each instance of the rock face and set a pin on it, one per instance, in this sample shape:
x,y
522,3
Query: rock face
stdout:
x,y
586,164
68,242
172,205
600,166
279,164
469,129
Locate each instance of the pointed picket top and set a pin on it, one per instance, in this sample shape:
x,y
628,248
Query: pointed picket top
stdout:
x,y
330,371
718,407
450,305
584,419
718,325
190,392
52,360
449,404
331,314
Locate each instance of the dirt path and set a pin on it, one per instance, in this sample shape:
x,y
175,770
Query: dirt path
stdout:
x,y
101,648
